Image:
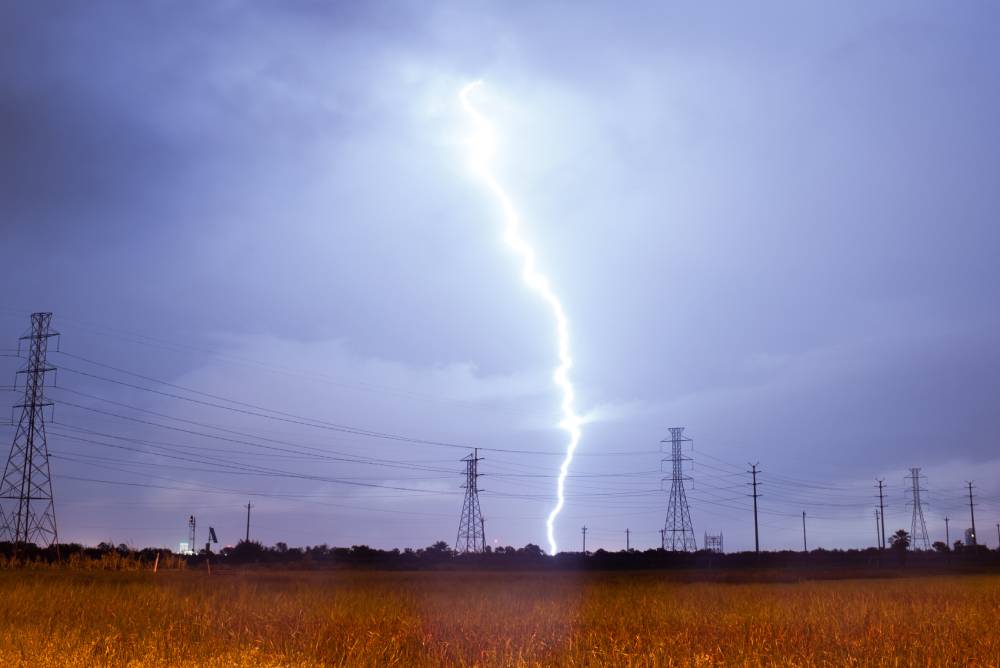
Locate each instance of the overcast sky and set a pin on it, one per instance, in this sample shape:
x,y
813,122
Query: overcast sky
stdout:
x,y
773,224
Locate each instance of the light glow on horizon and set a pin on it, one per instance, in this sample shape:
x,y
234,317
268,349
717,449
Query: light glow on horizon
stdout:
x,y
482,146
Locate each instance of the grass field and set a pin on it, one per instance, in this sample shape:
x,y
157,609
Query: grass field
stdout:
x,y
337,618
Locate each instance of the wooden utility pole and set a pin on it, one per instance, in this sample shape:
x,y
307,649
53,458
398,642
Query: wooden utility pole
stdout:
x,y
756,534
881,505
972,515
249,506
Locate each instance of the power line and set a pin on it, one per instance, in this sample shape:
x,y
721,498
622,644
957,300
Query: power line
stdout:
x,y
280,417
307,498
273,473
173,447
613,489
289,418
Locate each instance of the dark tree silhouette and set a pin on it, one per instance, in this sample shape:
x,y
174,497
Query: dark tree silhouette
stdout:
x,y
245,552
532,550
900,540
439,547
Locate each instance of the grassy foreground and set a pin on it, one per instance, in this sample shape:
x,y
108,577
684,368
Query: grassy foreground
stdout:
x,y
337,618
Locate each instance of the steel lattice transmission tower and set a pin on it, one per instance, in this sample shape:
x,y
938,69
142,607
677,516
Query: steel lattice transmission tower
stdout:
x,y
192,534
471,527
918,528
678,532
26,486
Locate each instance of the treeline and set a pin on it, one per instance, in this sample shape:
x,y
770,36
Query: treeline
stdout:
x,y
440,556
531,557
102,557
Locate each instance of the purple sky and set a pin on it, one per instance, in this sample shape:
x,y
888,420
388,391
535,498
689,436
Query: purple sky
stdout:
x,y
775,226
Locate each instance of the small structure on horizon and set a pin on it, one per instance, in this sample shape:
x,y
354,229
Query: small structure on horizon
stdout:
x,y
713,543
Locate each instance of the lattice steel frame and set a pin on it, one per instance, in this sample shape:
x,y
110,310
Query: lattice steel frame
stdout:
x,y
26,486
678,532
471,527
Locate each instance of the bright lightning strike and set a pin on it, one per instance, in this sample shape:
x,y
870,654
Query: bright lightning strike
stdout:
x,y
482,147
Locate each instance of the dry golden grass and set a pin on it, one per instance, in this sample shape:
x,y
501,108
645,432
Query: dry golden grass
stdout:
x,y
66,617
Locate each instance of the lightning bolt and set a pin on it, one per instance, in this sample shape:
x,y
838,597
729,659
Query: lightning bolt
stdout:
x,y
482,147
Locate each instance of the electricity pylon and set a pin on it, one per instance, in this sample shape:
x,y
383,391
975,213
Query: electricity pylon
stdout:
x,y
26,486
471,526
678,532
918,528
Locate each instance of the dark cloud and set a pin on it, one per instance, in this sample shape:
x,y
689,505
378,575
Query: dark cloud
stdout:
x,y
775,225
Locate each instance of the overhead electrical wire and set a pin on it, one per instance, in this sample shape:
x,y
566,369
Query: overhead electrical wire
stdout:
x,y
714,481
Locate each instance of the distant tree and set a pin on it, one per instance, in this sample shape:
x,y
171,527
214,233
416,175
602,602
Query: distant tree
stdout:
x,y
439,548
436,553
532,550
941,546
362,554
281,547
246,551
900,540
958,546
321,551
